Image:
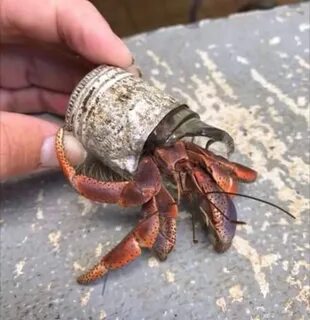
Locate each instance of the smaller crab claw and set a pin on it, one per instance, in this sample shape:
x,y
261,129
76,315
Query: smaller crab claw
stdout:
x,y
218,209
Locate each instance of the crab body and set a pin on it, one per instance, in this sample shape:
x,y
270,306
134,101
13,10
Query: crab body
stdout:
x,y
134,135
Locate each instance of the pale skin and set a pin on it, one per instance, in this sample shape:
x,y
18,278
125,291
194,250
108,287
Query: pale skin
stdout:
x,y
45,49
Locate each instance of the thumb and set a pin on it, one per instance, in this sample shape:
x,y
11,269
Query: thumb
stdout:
x,y
27,144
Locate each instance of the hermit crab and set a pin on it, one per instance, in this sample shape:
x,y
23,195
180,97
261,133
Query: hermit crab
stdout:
x,y
141,151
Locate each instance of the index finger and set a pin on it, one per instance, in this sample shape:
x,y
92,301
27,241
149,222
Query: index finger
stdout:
x,y
77,23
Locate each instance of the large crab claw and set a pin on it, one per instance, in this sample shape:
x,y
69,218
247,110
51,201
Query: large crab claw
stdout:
x,y
219,212
193,168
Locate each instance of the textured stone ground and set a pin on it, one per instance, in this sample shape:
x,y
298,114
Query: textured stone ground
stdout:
x,y
248,74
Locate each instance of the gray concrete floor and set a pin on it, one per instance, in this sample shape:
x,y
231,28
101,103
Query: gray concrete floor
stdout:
x,y
249,75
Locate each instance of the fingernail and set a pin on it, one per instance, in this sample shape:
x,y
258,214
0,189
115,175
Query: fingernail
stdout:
x,y
48,153
135,70
75,152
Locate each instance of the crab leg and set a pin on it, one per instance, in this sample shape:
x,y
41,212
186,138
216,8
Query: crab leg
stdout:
x,y
216,163
218,209
142,236
156,229
167,208
224,178
145,184
226,174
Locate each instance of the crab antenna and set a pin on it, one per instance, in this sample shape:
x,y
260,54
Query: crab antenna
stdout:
x,y
255,198
222,213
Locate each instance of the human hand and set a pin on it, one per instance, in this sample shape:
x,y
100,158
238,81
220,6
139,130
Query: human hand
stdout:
x,y
45,49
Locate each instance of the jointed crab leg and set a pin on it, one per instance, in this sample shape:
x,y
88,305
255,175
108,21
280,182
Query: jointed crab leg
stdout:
x,y
227,181
145,184
167,208
218,165
142,236
156,230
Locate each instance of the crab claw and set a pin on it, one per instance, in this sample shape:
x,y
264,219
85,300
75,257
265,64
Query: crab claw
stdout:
x,y
221,236
219,212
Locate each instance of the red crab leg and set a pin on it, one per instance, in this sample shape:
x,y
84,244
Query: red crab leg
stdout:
x,y
167,159
145,183
156,230
167,208
212,162
225,179
142,236
218,209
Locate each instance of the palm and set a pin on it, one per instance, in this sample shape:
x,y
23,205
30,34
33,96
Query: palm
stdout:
x,y
44,46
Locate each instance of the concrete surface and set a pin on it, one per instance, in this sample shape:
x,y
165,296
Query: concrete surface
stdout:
x,y
248,74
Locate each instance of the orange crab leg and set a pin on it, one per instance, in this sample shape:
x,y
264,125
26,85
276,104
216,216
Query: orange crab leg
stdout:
x,y
143,236
226,174
157,230
227,181
145,184
241,172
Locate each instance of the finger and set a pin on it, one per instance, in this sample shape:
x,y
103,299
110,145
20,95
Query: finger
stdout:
x,y
33,100
23,66
74,22
21,140
27,144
